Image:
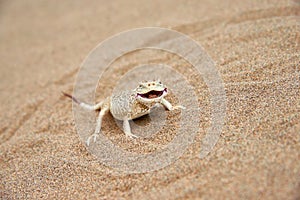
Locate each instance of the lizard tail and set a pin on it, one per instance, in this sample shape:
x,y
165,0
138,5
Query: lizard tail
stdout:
x,y
70,96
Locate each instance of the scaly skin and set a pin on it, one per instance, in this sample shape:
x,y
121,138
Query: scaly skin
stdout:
x,y
129,105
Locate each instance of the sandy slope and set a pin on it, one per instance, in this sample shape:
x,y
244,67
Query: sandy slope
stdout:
x,y
255,47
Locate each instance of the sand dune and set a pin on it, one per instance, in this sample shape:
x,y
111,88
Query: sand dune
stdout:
x,y
256,50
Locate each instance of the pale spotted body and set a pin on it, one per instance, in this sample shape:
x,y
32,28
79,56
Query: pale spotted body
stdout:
x,y
125,105
128,105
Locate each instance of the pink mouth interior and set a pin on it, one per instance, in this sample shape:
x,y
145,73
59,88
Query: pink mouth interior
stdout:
x,y
152,94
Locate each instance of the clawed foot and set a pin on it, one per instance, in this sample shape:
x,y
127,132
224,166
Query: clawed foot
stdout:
x,y
131,136
178,107
95,135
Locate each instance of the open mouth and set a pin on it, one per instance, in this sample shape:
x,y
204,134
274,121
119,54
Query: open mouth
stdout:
x,y
153,94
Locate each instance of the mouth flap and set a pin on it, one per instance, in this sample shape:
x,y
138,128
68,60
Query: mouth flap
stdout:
x,y
152,94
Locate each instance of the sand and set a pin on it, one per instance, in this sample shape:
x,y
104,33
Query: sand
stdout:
x,y
255,46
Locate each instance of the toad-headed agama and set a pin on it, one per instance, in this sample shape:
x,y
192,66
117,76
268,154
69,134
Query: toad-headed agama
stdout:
x,y
128,105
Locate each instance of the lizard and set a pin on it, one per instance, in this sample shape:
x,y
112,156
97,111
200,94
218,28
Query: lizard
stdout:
x,y
129,105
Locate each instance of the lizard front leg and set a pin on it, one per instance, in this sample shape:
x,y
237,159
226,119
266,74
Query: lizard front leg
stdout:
x,y
169,106
127,129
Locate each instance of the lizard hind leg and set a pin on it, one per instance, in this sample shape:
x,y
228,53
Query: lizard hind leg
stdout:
x,y
98,126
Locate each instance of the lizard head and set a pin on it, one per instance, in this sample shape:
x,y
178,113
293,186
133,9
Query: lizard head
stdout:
x,y
150,91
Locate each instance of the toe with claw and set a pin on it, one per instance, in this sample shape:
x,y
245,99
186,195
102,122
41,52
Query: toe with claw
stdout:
x,y
130,135
95,135
179,107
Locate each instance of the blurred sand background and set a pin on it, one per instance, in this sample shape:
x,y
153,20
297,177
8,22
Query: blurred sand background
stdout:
x,y
255,45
